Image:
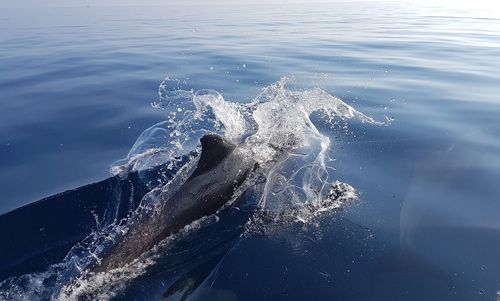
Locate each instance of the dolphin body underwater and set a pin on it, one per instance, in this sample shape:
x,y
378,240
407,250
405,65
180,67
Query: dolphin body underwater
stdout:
x,y
222,168
55,224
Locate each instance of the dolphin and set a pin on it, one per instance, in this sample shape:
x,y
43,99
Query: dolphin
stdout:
x,y
60,222
222,168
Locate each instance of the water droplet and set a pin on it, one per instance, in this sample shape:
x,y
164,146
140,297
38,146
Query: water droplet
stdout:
x,y
211,67
244,65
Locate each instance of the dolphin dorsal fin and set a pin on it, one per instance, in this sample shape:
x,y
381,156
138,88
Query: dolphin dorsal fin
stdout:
x,y
214,149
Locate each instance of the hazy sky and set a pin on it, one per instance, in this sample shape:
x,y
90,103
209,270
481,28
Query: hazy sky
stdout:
x,y
484,4
73,3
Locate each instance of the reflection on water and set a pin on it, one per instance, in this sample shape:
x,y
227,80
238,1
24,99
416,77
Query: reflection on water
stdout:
x,y
76,86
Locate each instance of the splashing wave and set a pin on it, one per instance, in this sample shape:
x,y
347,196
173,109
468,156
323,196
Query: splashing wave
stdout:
x,y
294,178
275,126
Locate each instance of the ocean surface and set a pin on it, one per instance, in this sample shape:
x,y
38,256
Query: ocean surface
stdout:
x,y
398,101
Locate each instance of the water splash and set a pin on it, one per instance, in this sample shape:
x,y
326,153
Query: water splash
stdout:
x,y
294,181
275,127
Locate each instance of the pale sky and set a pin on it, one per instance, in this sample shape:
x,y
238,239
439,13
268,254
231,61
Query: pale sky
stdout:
x,y
76,3
483,4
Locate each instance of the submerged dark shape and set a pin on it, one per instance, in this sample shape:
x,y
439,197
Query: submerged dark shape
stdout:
x,y
188,283
42,233
221,170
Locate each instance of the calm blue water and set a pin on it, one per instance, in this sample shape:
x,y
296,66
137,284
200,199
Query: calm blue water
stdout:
x,y
76,86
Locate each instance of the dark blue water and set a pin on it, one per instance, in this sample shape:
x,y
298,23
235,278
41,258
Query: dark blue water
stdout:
x,y
76,86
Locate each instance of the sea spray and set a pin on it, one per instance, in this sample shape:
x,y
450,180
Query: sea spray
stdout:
x,y
294,178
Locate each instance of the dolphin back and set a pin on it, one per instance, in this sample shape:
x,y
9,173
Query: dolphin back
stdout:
x,y
220,171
